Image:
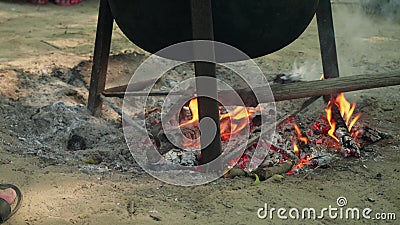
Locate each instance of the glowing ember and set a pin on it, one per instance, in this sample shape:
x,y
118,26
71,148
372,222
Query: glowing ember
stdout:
x,y
306,160
230,122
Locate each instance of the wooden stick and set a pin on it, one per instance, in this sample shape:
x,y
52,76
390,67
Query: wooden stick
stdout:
x,y
263,173
267,172
289,91
317,88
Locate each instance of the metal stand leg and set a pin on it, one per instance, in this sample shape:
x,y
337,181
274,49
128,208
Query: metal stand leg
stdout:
x,y
327,43
202,25
100,57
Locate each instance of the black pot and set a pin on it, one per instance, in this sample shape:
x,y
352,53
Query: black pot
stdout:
x,y
256,27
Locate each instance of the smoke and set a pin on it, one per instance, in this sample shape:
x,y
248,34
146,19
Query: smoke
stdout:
x,y
367,36
389,9
306,71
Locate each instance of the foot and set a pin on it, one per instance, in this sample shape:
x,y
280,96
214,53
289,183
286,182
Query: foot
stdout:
x,y
9,195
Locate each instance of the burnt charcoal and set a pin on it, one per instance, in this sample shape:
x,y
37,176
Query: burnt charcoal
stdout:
x,y
191,133
76,142
321,161
371,135
163,144
256,121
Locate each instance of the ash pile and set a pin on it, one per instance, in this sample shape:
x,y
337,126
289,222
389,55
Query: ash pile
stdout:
x,y
63,134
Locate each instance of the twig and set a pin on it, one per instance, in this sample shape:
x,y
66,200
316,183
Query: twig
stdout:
x,y
50,44
263,173
123,115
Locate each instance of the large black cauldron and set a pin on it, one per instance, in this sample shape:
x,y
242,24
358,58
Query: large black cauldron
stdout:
x,y
257,27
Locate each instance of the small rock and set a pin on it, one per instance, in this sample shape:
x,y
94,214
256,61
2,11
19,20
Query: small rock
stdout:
x,y
371,199
378,176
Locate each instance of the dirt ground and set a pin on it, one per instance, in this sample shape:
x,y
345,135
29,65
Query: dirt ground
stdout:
x,y
45,59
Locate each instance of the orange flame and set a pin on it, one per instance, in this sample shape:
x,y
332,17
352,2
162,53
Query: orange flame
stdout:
x,y
346,111
230,123
302,161
331,122
300,135
194,111
296,148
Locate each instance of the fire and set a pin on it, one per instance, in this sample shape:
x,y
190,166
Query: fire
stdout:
x,y
296,149
194,112
305,160
346,111
331,122
230,123
300,135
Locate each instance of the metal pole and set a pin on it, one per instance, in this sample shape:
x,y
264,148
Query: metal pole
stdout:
x,y
100,57
327,43
202,27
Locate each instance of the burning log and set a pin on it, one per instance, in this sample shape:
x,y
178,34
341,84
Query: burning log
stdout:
x,y
349,146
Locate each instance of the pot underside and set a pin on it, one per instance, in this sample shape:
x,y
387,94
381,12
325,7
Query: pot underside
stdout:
x,y
255,27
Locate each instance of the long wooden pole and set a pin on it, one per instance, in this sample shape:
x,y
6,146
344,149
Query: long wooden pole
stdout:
x,y
319,87
296,90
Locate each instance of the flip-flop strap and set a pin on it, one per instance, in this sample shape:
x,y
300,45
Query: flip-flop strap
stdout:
x,y
19,196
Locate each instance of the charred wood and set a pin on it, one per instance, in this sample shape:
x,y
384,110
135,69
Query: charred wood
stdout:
x,y
349,146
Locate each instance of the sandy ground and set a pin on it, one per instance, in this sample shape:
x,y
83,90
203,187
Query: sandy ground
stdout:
x,y
37,41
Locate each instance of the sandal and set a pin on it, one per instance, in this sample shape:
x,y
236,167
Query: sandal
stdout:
x,y
67,2
9,199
